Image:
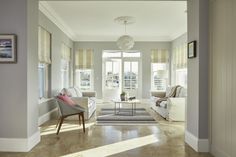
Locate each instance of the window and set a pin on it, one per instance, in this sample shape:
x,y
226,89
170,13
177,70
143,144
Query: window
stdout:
x,y
43,80
65,66
159,69
159,76
41,74
44,54
112,74
65,73
84,69
130,75
181,77
83,79
180,65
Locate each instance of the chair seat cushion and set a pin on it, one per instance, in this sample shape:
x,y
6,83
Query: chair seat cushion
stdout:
x,y
66,99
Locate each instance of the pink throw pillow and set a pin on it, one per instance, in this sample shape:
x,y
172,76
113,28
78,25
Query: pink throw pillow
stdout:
x,y
66,99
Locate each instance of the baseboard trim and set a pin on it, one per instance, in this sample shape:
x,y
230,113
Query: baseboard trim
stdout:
x,y
19,144
218,152
199,145
44,118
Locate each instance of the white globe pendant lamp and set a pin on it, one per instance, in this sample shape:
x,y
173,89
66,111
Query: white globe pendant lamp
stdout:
x,y
125,42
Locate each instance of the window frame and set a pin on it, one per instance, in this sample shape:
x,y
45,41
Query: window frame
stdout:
x,y
63,72
78,79
45,82
45,65
154,87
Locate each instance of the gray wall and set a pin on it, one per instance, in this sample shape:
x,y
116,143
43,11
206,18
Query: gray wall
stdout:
x,y
175,43
58,37
222,77
143,47
18,105
197,102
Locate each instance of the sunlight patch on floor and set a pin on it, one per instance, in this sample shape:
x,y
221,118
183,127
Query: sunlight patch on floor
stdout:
x,y
64,128
115,147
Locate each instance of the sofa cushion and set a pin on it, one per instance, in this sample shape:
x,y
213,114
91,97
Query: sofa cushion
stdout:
x,y
78,92
65,91
178,90
168,91
183,92
72,92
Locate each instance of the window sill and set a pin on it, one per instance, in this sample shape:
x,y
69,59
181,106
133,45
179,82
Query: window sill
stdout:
x,y
43,100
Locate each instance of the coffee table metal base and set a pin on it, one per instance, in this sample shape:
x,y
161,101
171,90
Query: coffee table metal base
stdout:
x,y
117,107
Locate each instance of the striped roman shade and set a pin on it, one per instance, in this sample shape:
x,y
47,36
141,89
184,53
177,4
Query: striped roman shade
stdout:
x,y
181,56
159,56
66,53
44,46
84,59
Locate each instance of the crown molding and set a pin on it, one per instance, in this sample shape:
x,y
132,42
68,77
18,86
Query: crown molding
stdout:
x,y
45,8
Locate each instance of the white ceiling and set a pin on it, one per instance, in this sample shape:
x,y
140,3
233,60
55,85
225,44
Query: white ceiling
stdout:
x,y
94,20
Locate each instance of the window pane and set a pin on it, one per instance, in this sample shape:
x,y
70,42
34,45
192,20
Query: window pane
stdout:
x,y
135,67
126,67
65,73
85,79
181,77
159,76
111,54
112,74
41,75
108,67
131,54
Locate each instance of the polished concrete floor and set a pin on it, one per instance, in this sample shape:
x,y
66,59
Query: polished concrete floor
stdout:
x,y
166,139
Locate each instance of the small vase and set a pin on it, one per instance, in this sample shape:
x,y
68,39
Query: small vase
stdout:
x,y
122,97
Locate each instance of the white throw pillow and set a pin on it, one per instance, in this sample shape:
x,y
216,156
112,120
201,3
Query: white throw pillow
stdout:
x,y
183,92
168,91
78,91
178,90
72,92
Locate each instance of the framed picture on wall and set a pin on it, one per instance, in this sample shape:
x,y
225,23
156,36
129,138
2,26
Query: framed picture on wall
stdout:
x,y
192,48
7,48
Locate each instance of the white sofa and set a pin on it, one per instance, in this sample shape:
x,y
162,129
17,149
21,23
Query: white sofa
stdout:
x,y
174,108
84,99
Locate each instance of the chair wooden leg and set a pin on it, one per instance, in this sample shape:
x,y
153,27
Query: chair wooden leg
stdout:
x,y
59,127
82,114
79,119
58,121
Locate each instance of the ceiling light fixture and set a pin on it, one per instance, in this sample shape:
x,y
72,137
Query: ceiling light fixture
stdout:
x,y
125,42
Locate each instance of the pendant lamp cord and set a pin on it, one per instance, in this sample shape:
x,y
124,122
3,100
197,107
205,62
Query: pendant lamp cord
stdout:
x,y
125,22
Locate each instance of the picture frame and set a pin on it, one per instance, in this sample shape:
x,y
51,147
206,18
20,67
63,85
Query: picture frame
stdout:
x,y
192,49
8,48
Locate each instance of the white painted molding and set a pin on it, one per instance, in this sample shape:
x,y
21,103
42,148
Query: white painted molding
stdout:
x,y
199,145
44,118
218,152
52,15
19,144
